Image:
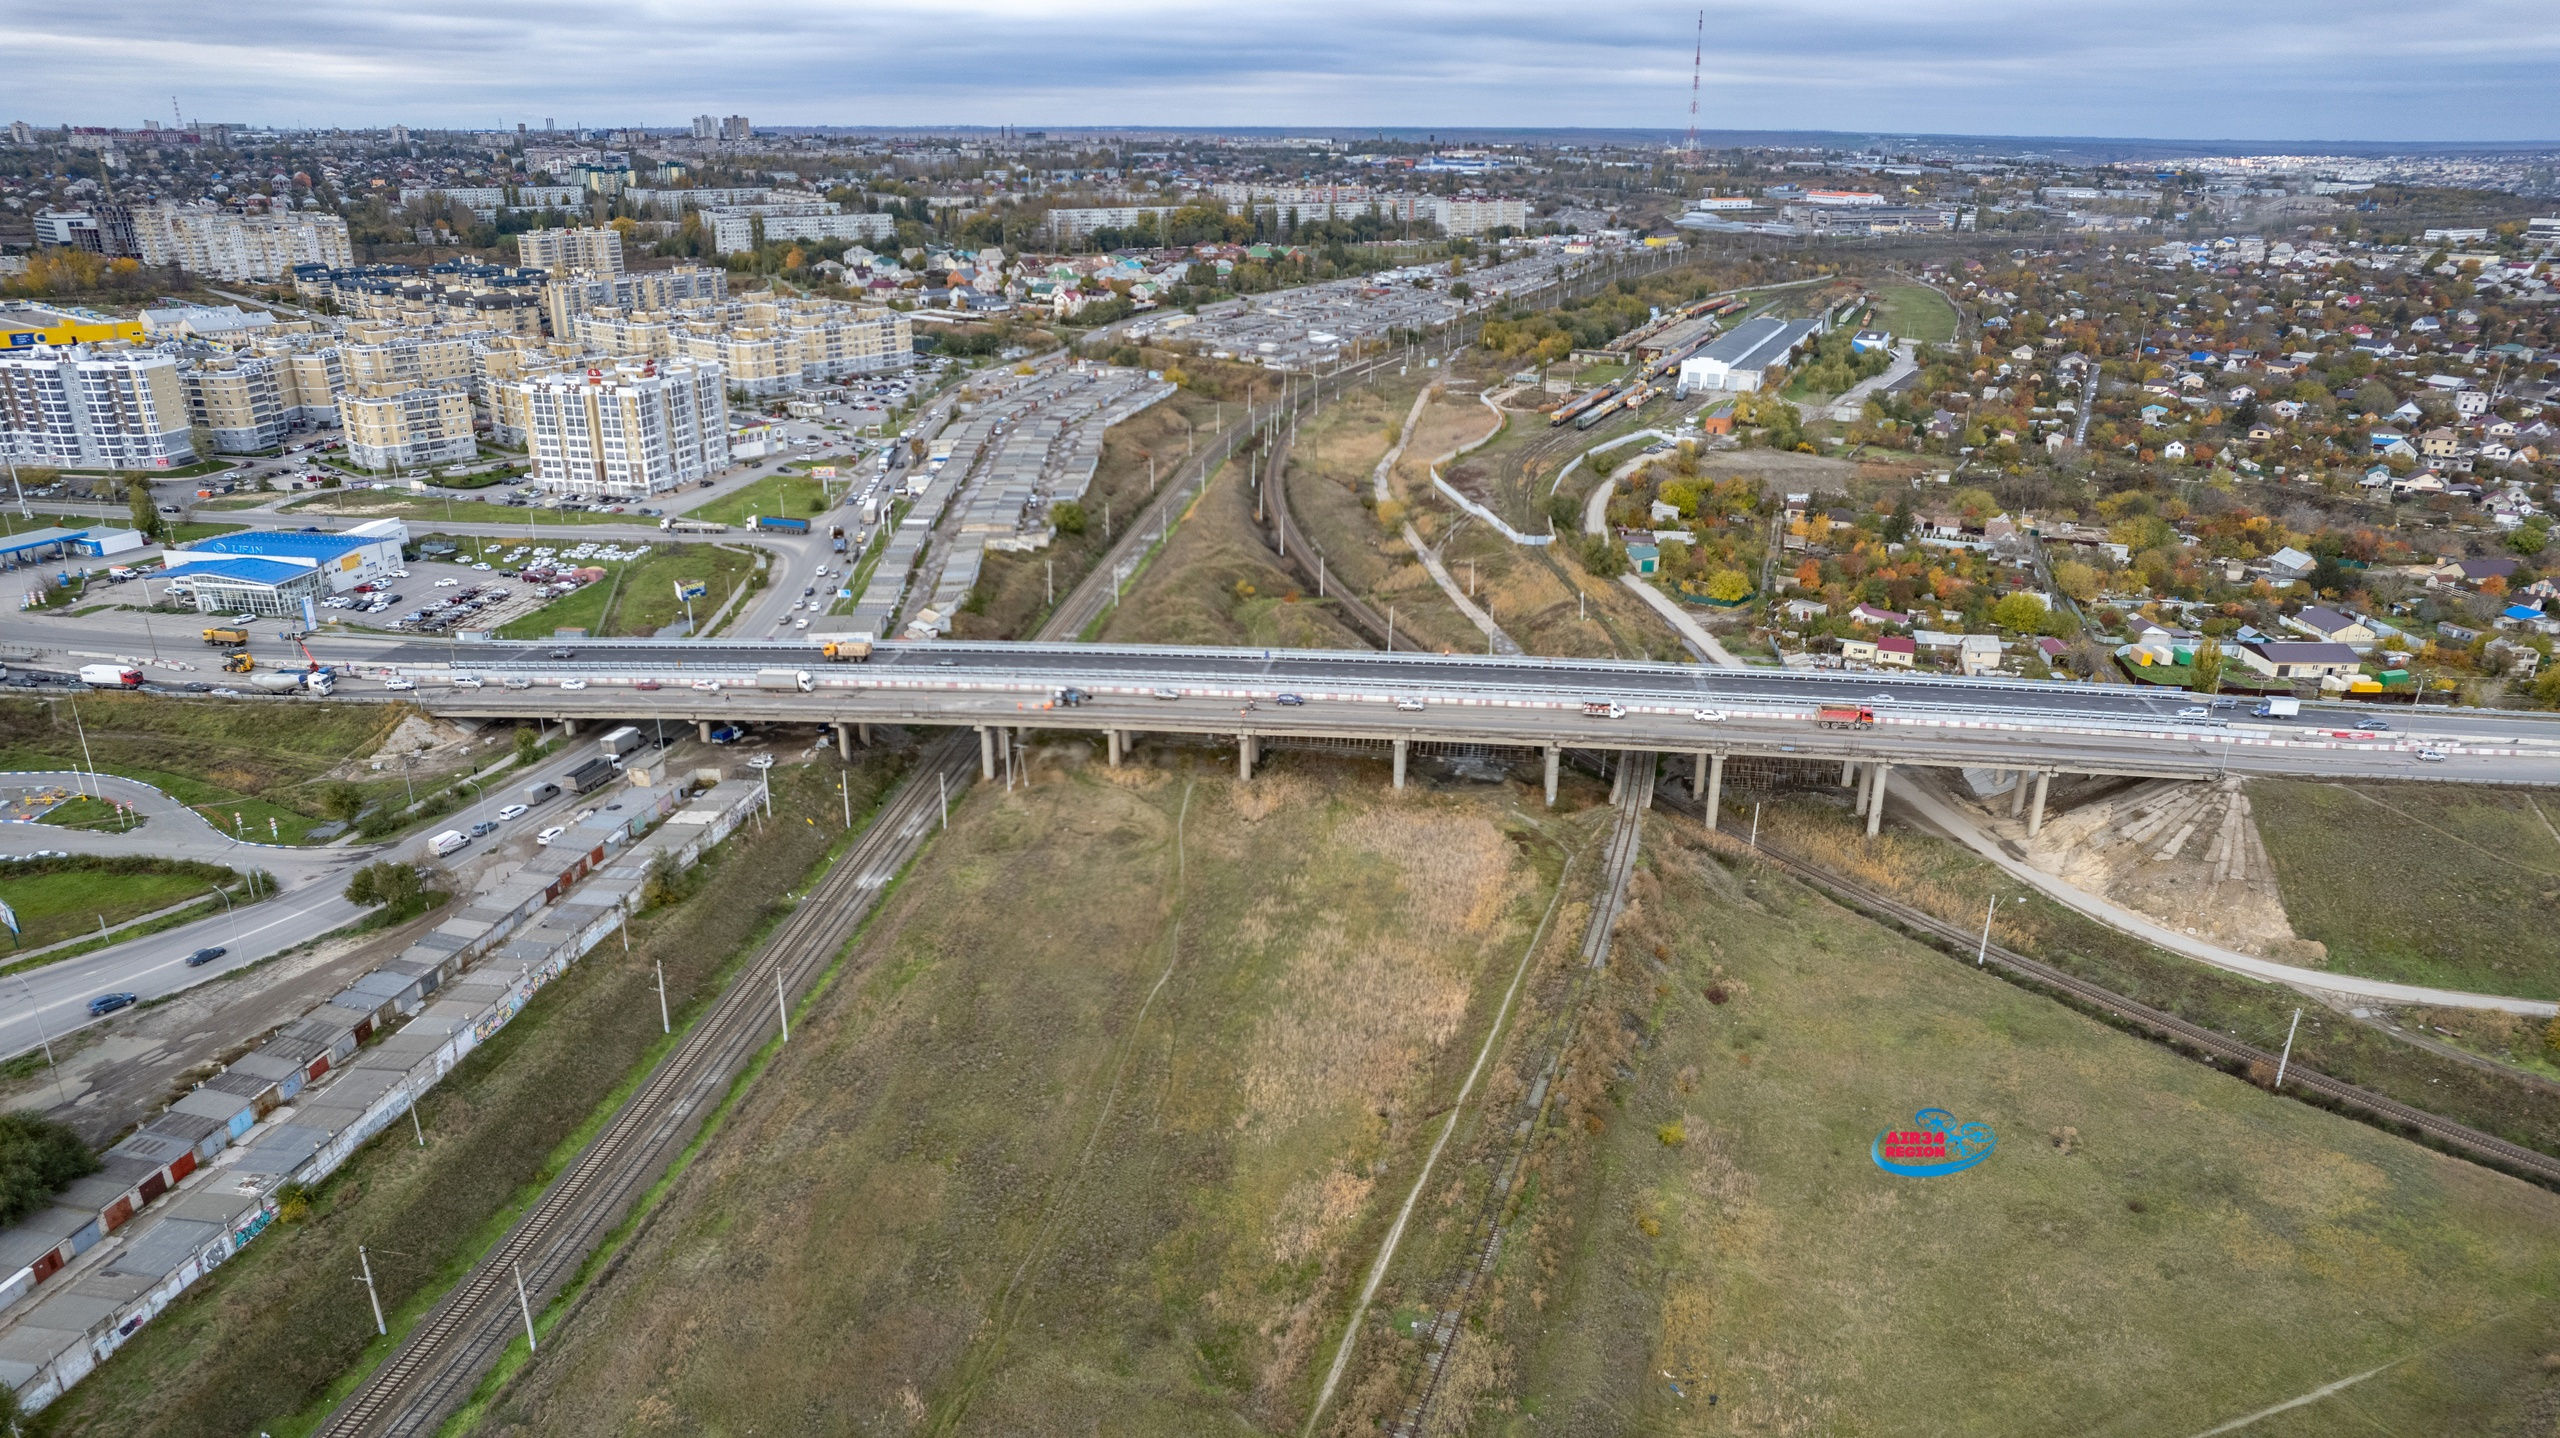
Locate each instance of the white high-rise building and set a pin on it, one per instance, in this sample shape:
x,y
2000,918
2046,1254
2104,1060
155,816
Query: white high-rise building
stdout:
x,y
627,433
227,245
74,407
706,127
591,250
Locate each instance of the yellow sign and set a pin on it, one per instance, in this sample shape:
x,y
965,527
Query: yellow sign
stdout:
x,y
67,331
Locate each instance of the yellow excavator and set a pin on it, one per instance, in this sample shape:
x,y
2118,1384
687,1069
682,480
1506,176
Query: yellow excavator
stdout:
x,y
238,662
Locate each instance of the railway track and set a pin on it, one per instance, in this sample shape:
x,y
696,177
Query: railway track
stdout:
x,y
2459,1138
441,1361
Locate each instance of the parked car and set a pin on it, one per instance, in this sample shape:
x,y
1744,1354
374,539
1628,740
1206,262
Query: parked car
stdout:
x,y
546,836
105,1004
202,957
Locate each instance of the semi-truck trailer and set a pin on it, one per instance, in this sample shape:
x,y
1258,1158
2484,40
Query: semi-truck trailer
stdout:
x,y
110,676
799,679
620,742
778,523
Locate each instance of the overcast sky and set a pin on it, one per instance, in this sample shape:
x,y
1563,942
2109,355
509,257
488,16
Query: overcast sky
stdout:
x,y
2248,69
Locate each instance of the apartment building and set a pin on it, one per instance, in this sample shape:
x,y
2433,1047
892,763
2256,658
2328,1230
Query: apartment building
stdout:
x,y
629,432
566,298
227,245
733,227
590,250
412,429
239,398
1075,224
74,407
764,346
384,360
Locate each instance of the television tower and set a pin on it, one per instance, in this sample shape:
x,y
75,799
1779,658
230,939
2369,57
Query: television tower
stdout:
x,y
1697,67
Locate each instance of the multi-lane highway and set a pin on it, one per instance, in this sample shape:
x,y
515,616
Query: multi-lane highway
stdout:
x,y
1529,701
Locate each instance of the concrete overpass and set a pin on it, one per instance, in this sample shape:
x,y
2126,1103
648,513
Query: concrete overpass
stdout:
x,y
1530,703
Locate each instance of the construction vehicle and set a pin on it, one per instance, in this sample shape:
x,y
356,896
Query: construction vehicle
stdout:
x,y
1845,716
847,651
232,637
592,775
238,662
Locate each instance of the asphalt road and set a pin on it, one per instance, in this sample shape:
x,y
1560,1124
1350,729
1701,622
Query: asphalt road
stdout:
x,y
53,1000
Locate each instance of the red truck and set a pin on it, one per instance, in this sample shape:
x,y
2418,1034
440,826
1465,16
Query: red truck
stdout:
x,y
1845,716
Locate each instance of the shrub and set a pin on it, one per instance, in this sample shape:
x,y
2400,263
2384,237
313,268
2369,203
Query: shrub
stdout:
x,y
1068,516
388,882
1672,1135
37,1157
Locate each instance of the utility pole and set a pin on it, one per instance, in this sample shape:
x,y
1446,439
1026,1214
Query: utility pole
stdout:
x,y
781,1006
1984,949
2288,1048
525,1306
380,1329
660,965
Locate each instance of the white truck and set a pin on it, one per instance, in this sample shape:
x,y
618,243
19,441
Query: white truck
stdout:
x,y
449,843
620,742
110,676
2278,709
314,682
799,679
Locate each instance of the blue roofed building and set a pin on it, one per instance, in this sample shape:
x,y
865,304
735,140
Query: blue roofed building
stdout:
x,y
271,571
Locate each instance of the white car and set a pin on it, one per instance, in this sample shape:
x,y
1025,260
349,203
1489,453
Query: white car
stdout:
x,y
482,566
447,582
546,836
708,686
573,684
2431,756
800,623
2195,711
1707,716
1410,706
513,811
400,682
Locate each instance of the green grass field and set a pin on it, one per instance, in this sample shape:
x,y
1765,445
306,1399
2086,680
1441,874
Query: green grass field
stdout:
x,y
1049,1165
426,509
222,758
2420,883
267,1343
71,897
1917,312
638,597
785,496
2153,1248
83,812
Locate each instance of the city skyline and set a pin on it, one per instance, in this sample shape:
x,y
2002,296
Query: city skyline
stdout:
x,y
1847,66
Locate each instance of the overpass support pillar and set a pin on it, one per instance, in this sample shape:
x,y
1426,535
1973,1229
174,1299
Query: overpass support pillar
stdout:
x,y
862,735
1118,744
1648,772
1864,777
702,727
1875,799
1404,747
2035,816
1697,774
1849,773
1555,755
2017,792
1244,756
1715,788
986,752
568,727
844,742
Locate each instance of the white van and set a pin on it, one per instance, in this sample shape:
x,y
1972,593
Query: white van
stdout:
x,y
450,842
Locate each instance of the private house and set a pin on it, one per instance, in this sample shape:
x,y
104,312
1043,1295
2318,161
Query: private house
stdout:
x,y
2330,625
2291,659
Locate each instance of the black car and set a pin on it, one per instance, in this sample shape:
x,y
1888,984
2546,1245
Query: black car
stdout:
x,y
563,654
105,1004
202,957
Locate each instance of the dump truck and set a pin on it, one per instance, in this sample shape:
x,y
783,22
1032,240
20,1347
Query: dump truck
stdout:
x,y
847,651
1845,716
591,776
799,679
232,637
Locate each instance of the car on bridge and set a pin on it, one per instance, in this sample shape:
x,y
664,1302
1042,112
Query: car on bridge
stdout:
x,y
1168,693
1288,701
1410,705
1707,716
1593,709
